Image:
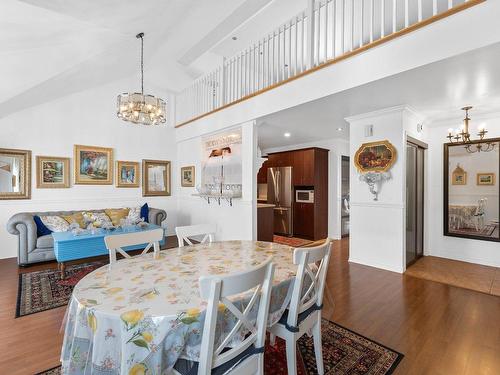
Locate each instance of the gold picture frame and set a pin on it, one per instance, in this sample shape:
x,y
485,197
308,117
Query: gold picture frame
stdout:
x,y
52,172
93,165
188,176
459,176
127,174
485,179
156,178
18,179
377,156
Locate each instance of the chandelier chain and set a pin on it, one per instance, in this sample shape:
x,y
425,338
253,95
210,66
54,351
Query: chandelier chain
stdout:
x,y
141,35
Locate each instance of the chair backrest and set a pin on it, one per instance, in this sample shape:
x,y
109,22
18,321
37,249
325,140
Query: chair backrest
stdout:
x,y
116,243
216,289
313,295
184,233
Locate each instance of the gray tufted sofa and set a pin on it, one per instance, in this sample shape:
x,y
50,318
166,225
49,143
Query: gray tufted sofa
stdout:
x,y
33,249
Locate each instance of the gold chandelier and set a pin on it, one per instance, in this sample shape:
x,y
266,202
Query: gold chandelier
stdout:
x,y
139,108
462,136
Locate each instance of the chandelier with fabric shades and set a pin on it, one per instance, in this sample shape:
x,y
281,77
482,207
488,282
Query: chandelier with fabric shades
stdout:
x,y
138,108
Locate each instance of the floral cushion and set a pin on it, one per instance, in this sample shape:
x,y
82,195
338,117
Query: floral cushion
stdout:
x,y
55,223
117,214
77,217
97,219
134,214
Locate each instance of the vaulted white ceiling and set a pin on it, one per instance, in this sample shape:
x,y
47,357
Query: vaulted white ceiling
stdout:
x,y
52,48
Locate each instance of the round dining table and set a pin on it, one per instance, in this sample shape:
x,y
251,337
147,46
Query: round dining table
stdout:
x,y
140,315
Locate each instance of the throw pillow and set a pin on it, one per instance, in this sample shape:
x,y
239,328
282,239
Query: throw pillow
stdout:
x,y
77,217
134,214
41,229
145,212
98,219
55,223
116,214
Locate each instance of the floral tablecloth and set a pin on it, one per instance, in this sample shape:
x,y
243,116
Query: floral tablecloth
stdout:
x,y
139,315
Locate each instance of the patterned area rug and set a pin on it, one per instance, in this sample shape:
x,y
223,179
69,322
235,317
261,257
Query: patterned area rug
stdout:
x,y
44,290
291,241
344,352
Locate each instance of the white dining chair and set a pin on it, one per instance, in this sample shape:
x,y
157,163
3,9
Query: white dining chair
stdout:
x,y
185,233
304,311
246,358
115,243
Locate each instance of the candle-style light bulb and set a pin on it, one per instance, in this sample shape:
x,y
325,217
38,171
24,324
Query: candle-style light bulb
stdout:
x,y
450,131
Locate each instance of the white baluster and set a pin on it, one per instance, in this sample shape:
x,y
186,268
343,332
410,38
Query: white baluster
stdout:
x,y
434,7
372,19
334,27
352,24
342,45
361,25
419,10
394,16
382,19
407,14
450,4
325,41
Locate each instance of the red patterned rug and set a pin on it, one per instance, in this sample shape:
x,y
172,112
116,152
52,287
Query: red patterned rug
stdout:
x,y
44,290
344,352
291,241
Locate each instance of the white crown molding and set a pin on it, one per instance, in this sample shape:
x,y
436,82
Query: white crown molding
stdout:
x,y
385,111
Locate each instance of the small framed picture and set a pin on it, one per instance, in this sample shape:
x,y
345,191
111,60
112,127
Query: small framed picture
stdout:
x,y
93,165
485,179
127,174
155,178
459,176
187,176
52,172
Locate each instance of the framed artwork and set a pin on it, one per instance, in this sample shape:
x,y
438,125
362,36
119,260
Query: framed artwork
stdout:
x,y
52,172
155,178
459,176
187,176
485,179
377,156
127,174
93,165
15,174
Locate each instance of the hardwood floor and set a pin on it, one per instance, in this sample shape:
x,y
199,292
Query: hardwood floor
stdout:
x,y
476,277
440,329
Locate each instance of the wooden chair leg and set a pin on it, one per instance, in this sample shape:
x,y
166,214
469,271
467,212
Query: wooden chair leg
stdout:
x,y
63,271
291,356
318,349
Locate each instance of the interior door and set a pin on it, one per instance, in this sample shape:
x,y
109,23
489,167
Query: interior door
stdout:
x,y
414,202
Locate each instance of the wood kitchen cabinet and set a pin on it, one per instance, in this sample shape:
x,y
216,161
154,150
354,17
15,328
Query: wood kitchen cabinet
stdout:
x,y
303,222
310,170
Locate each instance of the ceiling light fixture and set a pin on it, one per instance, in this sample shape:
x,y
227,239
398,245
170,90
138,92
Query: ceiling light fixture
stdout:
x,y
287,135
340,129
139,108
462,136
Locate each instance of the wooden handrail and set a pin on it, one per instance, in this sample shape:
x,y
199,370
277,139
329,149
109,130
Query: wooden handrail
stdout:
x,y
364,48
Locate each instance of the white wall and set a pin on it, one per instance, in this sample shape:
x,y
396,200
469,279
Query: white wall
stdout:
x,y
337,147
468,250
236,222
87,118
377,228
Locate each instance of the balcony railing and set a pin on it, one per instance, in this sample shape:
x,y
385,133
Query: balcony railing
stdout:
x,y
326,32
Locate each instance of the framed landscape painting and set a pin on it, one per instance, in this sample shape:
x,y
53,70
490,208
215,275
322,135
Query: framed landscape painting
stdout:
x,y
485,179
187,176
52,172
127,174
155,178
93,165
377,156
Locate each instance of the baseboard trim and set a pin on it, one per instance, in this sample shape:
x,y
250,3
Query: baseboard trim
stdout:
x,y
384,267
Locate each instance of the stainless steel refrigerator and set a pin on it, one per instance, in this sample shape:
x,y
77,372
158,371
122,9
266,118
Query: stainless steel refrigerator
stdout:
x,y
280,193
